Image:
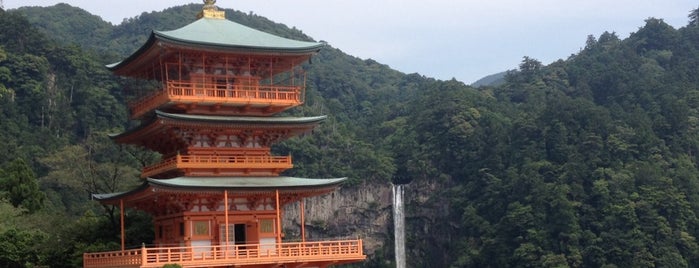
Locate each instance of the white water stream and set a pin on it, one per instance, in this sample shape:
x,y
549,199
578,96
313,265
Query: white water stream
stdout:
x,y
399,225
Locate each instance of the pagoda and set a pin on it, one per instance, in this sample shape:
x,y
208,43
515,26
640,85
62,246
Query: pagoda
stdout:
x,y
216,196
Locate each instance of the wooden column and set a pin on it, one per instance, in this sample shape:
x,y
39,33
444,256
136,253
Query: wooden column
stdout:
x,y
279,219
303,222
121,216
225,212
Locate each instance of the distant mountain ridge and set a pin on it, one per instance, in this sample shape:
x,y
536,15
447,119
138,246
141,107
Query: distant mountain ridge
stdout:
x,y
73,25
68,24
491,80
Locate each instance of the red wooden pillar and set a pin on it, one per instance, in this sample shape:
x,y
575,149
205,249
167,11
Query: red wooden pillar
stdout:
x,y
279,223
121,216
303,222
225,212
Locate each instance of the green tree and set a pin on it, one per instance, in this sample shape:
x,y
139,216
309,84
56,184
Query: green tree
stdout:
x,y
20,186
694,17
18,248
104,167
20,240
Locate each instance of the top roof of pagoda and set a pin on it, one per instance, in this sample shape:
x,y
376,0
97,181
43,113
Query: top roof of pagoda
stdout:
x,y
215,33
228,35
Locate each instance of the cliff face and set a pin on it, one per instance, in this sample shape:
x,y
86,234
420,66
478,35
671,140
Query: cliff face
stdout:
x,y
363,211
366,211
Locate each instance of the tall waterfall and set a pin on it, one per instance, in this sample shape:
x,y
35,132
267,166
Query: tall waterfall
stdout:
x,y
399,225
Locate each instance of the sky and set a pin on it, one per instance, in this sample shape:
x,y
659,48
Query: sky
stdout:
x,y
442,39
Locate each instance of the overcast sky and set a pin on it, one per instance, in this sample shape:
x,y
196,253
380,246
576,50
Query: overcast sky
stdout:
x,y
462,39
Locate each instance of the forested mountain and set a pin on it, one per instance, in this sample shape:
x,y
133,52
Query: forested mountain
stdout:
x,y
491,80
590,161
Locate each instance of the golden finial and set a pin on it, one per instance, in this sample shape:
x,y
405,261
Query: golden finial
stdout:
x,y
211,11
209,4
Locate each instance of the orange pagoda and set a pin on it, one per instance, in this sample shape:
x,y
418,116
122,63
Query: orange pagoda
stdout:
x,y
217,196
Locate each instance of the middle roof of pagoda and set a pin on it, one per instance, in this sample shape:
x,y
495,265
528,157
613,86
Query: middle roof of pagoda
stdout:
x,y
218,35
149,132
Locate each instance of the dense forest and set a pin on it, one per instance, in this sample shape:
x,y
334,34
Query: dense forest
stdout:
x,y
590,161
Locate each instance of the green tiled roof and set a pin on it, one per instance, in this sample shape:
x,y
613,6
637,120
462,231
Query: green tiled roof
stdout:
x,y
218,119
243,182
243,119
226,34
223,35
229,183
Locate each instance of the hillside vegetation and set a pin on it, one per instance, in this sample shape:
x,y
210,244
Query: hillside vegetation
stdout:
x,y
590,161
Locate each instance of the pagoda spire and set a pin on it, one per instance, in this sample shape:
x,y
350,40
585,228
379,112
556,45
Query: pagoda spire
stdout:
x,y
209,10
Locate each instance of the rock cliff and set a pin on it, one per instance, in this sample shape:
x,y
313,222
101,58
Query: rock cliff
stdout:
x,y
363,211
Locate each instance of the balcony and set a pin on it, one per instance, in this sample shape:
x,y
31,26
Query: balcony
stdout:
x,y
305,254
263,165
213,97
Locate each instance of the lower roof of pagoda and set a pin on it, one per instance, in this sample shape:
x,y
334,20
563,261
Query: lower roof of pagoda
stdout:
x,y
151,188
168,127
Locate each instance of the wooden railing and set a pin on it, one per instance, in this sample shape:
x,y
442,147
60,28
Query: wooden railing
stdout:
x,y
217,93
218,162
126,258
343,251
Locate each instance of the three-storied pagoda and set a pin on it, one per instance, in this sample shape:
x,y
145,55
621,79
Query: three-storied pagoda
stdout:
x,y
216,197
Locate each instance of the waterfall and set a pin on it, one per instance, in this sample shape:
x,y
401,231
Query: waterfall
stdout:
x,y
399,225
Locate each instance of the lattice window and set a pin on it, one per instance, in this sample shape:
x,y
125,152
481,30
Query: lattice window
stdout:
x,y
266,226
222,233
